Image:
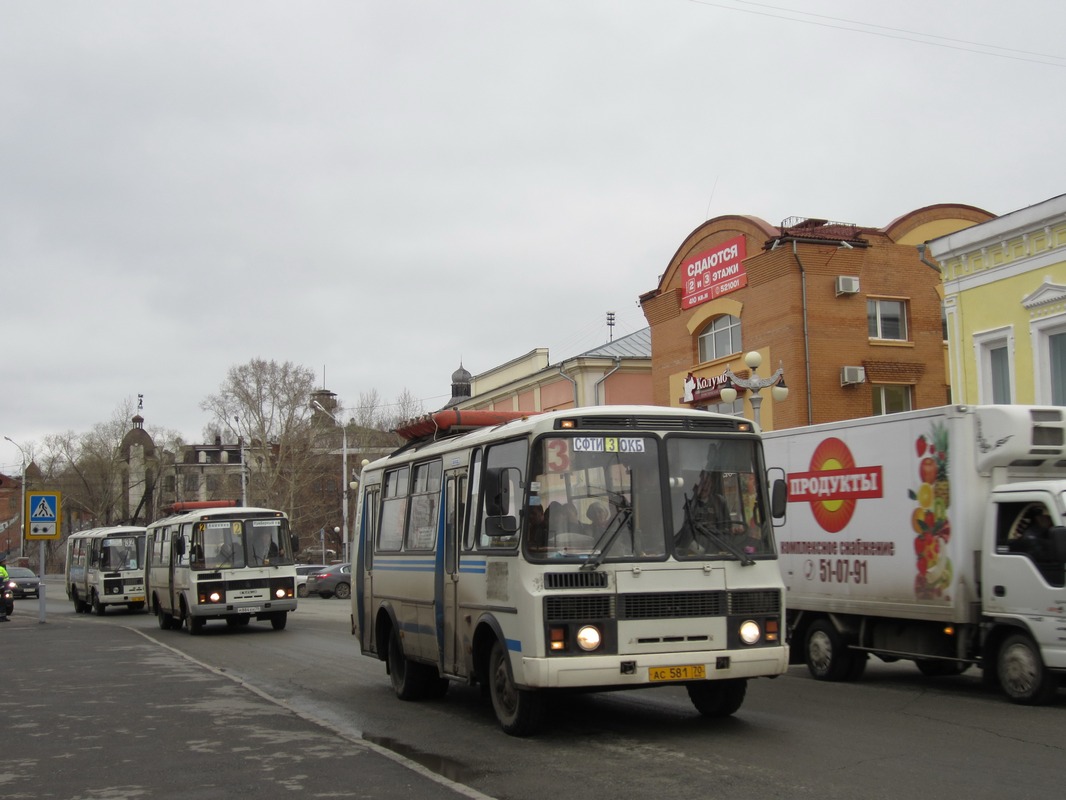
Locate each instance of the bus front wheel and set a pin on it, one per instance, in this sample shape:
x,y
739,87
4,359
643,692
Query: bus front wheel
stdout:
x,y
718,698
279,619
520,712
98,607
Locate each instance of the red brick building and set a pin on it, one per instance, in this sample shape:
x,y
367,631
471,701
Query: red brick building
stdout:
x,y
852,314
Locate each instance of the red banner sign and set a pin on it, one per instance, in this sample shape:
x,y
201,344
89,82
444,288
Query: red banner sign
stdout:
x,y
714,272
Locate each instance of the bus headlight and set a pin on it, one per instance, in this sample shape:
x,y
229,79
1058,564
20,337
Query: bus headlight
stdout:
x,y
215,597
589,638
279,593
750,633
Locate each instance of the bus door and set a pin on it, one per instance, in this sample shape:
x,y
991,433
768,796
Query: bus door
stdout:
x,y
454,523
363,566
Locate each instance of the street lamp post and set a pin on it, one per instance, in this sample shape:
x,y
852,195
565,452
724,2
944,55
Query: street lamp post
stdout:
x,y
754,384
22,510
244,466
344,474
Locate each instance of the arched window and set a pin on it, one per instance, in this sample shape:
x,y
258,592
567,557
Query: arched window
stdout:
x,y
720,338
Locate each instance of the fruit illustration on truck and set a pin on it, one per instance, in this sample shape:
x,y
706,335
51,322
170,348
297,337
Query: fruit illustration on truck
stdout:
x,y
912,537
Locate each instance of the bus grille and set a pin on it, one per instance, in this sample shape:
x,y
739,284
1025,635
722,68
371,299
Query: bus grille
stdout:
x,y
575,580
662,605
579,607
755,601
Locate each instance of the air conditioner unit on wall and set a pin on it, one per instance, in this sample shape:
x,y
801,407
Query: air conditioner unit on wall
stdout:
x,y
852,375
847,284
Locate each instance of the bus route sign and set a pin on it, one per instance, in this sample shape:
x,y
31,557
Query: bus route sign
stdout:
x,y
43,513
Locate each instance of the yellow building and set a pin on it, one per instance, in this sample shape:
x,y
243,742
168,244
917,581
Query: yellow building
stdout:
x,y
1005,306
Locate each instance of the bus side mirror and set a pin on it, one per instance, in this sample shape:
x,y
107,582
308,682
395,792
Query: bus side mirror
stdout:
x,y
501,525
498,485
294,543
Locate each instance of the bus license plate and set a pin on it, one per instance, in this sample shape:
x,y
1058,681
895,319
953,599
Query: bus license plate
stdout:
x,y
251,610
685,672
137,598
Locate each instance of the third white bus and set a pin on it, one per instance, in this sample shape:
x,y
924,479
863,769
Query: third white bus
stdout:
x,y
571,550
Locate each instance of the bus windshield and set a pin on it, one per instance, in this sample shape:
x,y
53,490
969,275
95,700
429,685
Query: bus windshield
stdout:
x,y
715,499
592,498
230,544
122,552
595,495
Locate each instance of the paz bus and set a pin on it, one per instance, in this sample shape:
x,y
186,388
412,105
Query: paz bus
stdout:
x,y
571,550
214,560
105,567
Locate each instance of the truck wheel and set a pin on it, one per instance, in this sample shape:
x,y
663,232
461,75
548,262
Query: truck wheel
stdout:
x,y
717,698
1022,674
520,712
828,657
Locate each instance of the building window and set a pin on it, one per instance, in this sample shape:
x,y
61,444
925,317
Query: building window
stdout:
x,y
734,409
721,338
891,399
994,351
887,319
1049,359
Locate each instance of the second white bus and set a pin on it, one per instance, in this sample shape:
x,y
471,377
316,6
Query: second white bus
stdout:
x,y
217,561
571,550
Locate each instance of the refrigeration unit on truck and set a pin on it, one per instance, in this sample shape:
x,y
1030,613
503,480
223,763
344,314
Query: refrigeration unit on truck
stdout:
x,y
935,536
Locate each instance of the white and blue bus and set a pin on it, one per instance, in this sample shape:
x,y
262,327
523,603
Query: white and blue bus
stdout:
x,y
218,561
602,548
105,567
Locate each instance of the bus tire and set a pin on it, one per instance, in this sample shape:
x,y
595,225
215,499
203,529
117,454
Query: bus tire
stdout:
x,y
166,622
80,606
98,607
1022,674
827,655
410,680
135,607
520,712
277,622
718,698
194,625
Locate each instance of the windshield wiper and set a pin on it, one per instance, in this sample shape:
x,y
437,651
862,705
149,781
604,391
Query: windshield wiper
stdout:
x,y
621,517
703,529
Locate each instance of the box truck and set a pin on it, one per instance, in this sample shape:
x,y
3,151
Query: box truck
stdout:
x,y
934,536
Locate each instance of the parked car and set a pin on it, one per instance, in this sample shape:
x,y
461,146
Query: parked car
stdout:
x,y
333,581
303,571
27,583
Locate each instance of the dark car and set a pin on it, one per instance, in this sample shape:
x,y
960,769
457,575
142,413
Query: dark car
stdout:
x,y
333,581
26,583
303,572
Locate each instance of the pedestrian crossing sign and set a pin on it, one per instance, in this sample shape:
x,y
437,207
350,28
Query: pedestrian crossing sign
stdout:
x,y
43,514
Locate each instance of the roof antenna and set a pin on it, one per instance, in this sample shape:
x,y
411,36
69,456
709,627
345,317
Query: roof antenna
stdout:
x,y
610,325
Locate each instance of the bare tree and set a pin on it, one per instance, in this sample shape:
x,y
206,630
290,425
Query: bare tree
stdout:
x,y
406,407
265,404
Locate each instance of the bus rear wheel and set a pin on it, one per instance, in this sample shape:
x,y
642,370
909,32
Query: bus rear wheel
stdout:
x,y
718,698
165,620
520,712
410,679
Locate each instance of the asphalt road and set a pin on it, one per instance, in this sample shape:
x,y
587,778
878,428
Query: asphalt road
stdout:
x,y
896,734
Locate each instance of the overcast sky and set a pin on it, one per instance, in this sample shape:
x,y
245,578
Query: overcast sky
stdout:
x,y
378,191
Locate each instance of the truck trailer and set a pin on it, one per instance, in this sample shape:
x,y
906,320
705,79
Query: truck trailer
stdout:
x,y
934,536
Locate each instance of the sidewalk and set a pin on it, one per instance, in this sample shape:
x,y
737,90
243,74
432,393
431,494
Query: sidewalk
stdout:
x,y
123,717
